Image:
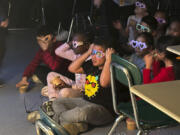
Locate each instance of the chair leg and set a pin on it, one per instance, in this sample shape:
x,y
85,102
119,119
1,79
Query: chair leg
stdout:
x,y
139,132
120,118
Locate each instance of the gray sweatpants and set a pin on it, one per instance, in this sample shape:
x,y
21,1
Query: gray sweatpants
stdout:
x,y
70,110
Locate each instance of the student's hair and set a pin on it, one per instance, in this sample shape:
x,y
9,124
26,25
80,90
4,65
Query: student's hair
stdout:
x,y
151,21
149,40
84,37
163,12
103,42
44,30
162,44
148,7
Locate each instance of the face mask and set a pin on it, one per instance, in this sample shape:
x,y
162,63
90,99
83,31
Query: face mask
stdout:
x,y
161,20
142,28
140,5
77,43
99,54
137,44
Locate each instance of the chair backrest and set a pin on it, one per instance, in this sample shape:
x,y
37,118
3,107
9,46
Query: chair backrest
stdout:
x,y
134,72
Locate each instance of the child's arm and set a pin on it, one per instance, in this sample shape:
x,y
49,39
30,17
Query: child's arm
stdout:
x,y
76,66
64,51
30,70
105,78
148,59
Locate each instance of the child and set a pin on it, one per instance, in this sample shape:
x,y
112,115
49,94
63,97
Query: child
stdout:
x,y
140,11
174,28
96,106
161,18
170,70
142,46
148,24
45,55
70,51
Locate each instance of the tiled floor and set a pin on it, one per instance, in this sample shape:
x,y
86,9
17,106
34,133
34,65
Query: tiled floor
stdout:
x,y
21,47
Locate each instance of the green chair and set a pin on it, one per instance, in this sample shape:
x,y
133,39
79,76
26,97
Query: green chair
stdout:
x,y
146,116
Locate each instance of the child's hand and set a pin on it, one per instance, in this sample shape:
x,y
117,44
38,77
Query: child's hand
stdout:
x,y
90,49
132,23
58,83
117,25
148,59
4,23
23,82
109,52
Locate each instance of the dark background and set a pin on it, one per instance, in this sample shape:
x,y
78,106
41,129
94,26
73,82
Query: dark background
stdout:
x,y
27,13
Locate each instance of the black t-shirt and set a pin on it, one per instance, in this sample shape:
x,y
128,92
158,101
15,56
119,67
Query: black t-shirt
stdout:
x,y
94,92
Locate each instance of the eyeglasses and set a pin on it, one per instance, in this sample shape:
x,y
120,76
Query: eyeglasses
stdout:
x,y
161,20
92,83
142,28
77,43
99,54
141,5
137,44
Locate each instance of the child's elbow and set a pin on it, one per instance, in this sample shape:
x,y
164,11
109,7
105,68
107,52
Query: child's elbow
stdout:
x,y
70,69
56,52
104,83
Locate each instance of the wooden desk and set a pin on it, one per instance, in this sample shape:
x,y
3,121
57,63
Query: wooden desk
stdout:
x,y
174,49
164,96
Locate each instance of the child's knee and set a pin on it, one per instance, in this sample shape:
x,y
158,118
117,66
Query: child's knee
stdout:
x,y
50,76
65,93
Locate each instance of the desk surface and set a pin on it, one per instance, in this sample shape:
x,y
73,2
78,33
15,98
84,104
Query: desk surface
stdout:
x,y
164,96
174,49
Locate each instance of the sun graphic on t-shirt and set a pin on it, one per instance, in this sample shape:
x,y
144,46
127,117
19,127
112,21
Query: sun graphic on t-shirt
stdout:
x,y
91,85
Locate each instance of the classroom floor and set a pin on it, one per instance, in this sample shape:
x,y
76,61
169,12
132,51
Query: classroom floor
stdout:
x,y
20,49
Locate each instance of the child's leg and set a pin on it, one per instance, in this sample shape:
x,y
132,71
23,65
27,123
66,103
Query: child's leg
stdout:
x,y
53,93
89,113
70,110
42,72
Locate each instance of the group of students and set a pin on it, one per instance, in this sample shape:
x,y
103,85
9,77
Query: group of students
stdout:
x,y
76,74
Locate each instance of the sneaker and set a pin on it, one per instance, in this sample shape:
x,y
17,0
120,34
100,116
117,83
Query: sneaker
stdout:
x,y
44,91
47,107
36,79
23,89
75,128
33,116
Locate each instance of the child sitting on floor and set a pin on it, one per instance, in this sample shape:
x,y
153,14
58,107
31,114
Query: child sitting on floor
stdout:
x,y
170,69
70,51
95,108
46,55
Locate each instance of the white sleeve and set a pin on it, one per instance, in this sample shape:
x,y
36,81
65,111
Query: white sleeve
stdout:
x,y
64,51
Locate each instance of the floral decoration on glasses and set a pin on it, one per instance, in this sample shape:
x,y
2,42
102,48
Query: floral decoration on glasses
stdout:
x,y
99,54
140,5
142,28
138,44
